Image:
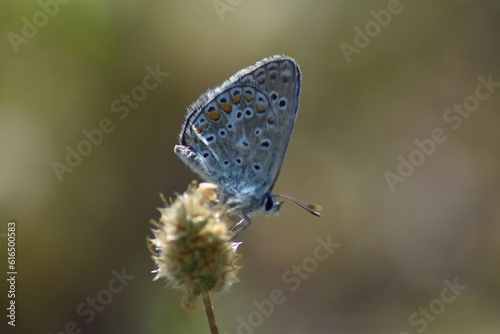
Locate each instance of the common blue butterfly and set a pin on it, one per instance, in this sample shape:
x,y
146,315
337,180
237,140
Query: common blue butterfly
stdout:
x,y
237,135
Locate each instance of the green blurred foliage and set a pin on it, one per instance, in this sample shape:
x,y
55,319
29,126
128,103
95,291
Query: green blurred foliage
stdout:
x,y
356,118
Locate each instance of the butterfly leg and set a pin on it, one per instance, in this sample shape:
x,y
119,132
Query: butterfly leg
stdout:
x,y
241,225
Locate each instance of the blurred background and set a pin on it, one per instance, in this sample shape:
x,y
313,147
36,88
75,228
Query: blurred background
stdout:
x,y
418,249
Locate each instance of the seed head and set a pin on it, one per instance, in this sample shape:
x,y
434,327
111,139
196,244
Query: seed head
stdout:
x,y
192,245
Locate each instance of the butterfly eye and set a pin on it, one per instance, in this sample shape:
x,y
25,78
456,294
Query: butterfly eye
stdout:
x,y
269,203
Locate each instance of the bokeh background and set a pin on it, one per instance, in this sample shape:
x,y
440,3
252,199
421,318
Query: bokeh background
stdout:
x,y
397,248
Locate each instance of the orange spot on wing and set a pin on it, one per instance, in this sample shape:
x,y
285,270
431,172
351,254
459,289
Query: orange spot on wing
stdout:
x,y
215,115
226,107
261,108
236,99
198,129
248,97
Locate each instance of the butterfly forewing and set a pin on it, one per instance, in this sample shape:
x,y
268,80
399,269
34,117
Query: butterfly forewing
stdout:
x,y
237,135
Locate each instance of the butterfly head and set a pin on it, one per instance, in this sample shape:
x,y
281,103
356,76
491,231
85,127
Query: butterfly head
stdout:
x,y
271,205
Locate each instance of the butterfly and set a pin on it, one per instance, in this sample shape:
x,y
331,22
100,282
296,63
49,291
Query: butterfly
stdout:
x,y
237,134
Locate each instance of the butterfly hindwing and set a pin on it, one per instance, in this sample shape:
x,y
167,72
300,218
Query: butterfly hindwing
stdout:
x,y
237,134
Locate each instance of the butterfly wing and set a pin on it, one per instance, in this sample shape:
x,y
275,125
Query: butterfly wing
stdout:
x,y
237,134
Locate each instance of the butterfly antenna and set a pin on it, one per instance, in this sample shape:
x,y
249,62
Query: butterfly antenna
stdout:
x,y
313,209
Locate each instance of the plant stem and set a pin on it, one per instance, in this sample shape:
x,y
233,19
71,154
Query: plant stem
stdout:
x,y
207,304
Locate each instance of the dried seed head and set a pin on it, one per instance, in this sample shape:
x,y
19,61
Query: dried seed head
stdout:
x,y
192,245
